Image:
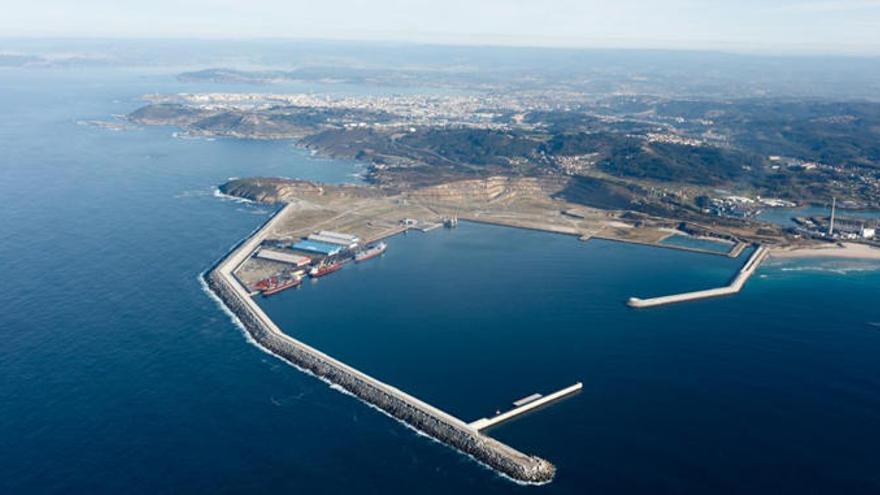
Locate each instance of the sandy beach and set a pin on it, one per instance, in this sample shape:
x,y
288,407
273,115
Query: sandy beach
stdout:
x,y
848,250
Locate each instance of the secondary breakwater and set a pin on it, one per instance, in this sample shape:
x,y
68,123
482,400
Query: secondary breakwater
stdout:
x,y
412,411
735,285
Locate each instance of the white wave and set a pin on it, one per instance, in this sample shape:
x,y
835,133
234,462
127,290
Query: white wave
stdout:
x,y
219,194
433,439
334,386
838,270
186,136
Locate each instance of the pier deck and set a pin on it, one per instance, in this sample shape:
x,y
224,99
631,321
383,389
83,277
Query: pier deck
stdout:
x,y
738,249
532,402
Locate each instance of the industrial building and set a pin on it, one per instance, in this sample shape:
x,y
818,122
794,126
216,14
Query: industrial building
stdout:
x,y
283,257
324,248
346,243
850,227
339,237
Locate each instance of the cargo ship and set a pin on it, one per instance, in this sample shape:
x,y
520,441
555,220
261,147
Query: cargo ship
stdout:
x,y
277,285
370,252
320,271
264,284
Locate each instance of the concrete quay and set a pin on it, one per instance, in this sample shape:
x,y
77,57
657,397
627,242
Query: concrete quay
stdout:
x,y
422,416
533,402
738,249
735,286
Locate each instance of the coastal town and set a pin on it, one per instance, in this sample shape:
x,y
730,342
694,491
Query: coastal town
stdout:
x,y
652,159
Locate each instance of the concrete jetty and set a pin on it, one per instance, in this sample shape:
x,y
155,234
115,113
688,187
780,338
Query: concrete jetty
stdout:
x,y
420,415
525,405
738,249
735,285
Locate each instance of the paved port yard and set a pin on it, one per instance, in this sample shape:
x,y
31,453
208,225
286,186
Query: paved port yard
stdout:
x,y
370,216
256,269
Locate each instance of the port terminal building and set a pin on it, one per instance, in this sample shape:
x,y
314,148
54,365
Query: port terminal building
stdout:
x,y
318,247
283,257
328,236
345,243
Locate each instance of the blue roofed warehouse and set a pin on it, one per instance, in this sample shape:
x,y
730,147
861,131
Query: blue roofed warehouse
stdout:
x,y
324,248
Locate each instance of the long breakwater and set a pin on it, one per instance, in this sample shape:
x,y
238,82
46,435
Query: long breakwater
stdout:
x,y
418,414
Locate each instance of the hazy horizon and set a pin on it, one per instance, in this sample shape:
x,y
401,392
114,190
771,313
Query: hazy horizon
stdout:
x,y
753,26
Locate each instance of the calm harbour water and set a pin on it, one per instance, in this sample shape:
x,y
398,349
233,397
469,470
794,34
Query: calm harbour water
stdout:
x,y
784,216
704,244
120,375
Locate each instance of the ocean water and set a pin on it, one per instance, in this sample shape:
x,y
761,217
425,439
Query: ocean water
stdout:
x,y
118,374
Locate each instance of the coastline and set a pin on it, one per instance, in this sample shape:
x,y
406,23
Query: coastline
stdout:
x,y
848,250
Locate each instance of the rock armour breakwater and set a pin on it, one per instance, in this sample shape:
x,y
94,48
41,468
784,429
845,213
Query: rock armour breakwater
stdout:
x,y
421,416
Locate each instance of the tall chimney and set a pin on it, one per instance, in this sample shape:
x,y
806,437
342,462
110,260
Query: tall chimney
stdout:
x,y
831,226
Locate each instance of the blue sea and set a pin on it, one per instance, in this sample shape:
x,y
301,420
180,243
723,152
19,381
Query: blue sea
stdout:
x,y
119,374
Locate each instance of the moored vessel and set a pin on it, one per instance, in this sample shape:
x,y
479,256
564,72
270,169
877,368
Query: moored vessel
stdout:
x,y
281,284
370,252
324,269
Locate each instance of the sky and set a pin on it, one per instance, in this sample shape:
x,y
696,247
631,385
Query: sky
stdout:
x,y
781,26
